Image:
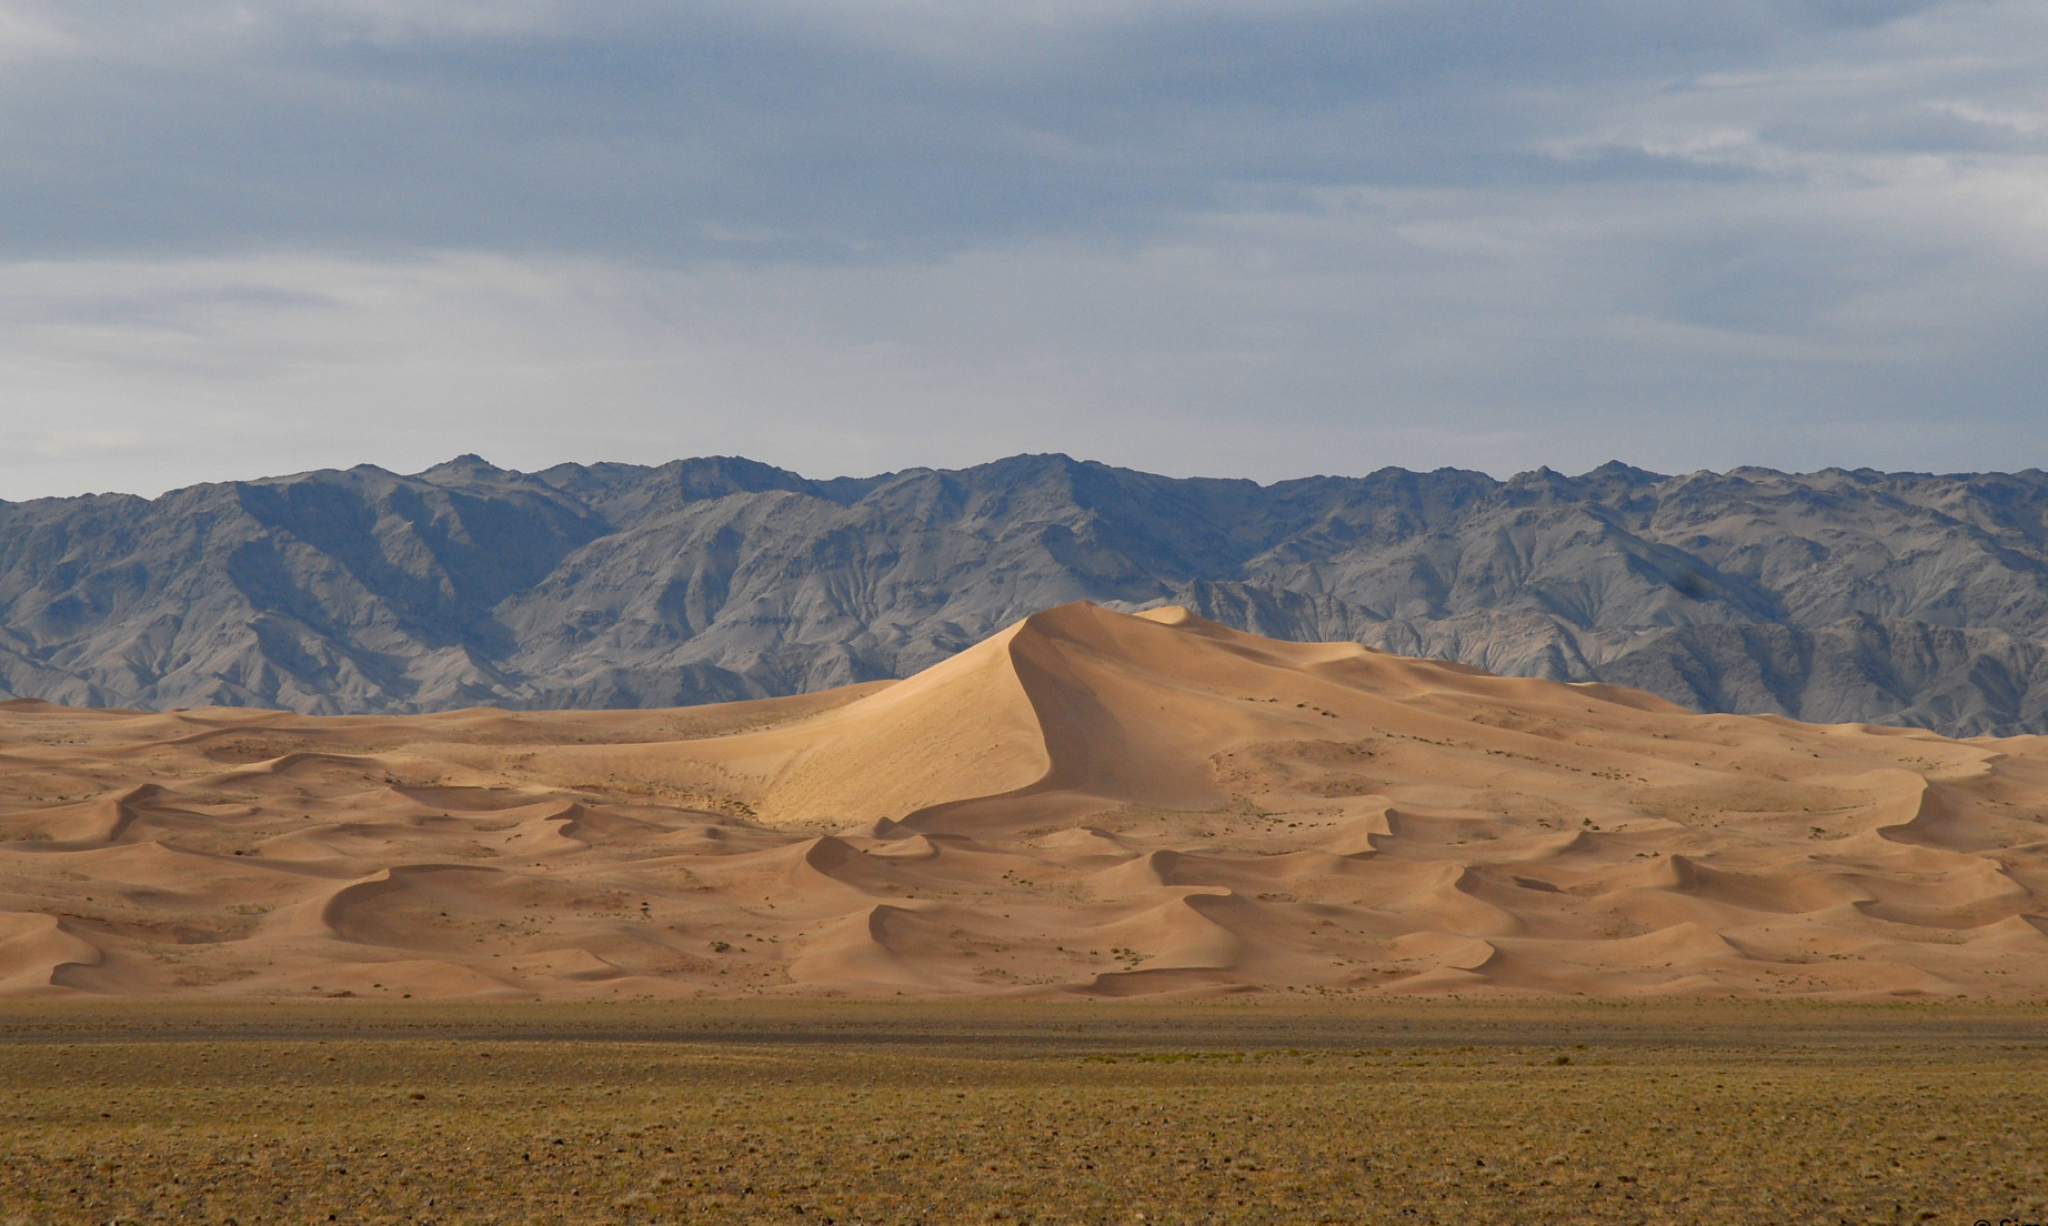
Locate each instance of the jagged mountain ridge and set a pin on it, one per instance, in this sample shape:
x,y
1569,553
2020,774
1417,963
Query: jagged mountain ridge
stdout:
x,y
1896,598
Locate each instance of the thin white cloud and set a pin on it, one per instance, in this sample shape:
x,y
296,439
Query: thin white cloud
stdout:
x,y
2022,121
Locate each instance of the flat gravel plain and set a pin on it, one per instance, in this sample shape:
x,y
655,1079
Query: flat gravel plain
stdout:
x,y
1438,1112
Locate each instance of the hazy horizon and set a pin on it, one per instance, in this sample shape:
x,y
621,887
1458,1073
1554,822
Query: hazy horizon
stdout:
x,y
1502,477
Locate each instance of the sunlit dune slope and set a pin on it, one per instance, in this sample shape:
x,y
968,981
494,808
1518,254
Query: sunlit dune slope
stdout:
x,y
1088,802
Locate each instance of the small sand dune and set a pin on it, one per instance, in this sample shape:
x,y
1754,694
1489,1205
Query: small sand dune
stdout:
x,y
1088,803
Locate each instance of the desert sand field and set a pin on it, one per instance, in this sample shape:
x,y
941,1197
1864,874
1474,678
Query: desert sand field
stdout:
x,y
1088,804
1387,1111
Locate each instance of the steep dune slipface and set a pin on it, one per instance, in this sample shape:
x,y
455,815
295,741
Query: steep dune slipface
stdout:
x,y
960,729
1086,803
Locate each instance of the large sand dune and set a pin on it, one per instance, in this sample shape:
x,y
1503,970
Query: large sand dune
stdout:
x,y
1087,802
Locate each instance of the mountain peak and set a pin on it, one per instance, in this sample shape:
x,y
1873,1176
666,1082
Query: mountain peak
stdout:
x,y
467,469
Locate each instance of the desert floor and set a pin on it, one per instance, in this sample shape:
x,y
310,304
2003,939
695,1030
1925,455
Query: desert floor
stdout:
x,y
1397,1111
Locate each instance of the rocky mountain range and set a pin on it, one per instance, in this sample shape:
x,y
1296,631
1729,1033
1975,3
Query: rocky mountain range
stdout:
x,y
1898,598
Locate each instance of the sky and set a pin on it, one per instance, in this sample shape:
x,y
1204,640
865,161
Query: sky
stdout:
x,y
1210,237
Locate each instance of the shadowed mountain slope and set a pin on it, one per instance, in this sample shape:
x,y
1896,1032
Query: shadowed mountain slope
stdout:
x,y
1898,598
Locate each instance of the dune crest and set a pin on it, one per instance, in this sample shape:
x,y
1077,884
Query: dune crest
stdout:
x,y
1086,803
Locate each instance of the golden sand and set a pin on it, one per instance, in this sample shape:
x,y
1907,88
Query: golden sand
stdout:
x,y
1087,804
